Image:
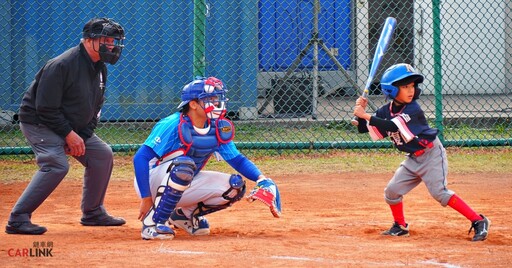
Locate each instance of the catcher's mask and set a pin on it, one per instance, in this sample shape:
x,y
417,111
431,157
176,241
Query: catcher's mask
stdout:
x,y
111,36
399,75
210,91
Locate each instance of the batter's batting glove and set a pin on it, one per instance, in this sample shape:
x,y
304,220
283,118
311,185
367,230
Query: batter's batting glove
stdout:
x,y
266,191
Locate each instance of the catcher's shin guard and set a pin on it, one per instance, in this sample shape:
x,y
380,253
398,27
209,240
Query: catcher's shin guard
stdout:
x,y
181,172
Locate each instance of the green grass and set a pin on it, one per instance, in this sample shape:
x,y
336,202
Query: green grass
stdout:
x,y
133,133
461,161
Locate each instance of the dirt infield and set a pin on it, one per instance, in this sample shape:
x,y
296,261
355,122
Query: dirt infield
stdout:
x,y
331,220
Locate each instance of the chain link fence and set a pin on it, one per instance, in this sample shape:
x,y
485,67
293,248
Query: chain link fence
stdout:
x,y
293,68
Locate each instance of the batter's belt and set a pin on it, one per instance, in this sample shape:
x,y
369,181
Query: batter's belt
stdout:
x,y
427,147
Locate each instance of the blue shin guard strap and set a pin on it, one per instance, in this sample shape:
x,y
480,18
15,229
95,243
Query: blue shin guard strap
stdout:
x,y
168,201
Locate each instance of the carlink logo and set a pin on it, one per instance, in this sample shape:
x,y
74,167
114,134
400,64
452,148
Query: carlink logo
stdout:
x,y
38,249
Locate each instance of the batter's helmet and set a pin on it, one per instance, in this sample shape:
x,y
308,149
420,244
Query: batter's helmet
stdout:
x,y
398,75
205,89
104,27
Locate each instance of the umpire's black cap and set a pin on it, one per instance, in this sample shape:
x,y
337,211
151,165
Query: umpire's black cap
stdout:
x,y
98,27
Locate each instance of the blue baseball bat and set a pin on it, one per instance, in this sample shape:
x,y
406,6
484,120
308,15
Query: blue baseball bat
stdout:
x,y
380,50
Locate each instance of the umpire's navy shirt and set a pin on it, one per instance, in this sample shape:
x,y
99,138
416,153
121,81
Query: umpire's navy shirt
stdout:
x,y
65,94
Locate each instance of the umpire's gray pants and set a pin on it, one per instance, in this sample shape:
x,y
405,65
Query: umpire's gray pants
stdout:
x,y
53,165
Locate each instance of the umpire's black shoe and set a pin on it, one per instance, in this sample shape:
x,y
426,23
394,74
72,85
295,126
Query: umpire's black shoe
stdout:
x,y
102,220
24,227
481,228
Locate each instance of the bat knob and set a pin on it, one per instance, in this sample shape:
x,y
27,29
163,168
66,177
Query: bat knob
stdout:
x,y
354,122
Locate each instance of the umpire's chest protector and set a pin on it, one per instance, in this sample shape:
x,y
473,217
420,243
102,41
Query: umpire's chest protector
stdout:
x,y
199,144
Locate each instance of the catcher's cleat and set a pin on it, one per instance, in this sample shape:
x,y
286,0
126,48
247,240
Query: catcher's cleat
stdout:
x,y
195,226
151,232
481,228
397,230
164,229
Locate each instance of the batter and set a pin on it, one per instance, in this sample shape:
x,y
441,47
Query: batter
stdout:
x,y
404,122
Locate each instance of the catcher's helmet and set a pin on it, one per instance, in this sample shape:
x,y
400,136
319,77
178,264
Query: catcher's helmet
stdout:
x,y
105,27
209,90
397,75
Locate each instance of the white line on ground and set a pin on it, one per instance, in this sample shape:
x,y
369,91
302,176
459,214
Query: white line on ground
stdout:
x,y
297,258
184,252
433,262
437,263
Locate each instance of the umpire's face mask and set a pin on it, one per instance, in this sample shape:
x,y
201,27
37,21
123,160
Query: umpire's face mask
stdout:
x,y
110,50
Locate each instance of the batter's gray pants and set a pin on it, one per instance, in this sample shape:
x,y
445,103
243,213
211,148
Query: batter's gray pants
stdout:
x,y
53,165
430,168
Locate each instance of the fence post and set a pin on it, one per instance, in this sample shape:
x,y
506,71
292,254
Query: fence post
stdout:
x,y
199,37
438,78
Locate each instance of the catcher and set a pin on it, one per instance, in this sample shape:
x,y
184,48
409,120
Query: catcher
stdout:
x,y
404,122
174,189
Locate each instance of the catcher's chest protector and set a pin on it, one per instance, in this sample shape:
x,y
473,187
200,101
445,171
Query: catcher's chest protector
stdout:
x,y
199,146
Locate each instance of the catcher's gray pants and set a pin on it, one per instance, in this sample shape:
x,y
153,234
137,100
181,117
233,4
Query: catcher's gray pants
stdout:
x,y
53,165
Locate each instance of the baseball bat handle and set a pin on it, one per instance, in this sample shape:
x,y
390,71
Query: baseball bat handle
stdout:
x,y
355,120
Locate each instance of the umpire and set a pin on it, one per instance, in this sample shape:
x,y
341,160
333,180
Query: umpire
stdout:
x,y
58,116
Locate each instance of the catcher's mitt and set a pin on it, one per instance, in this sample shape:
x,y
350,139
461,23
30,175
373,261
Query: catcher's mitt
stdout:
x,y
266,191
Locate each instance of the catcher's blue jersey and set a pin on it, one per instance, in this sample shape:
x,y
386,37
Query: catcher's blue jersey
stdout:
x,y
175,135
413,129
165,139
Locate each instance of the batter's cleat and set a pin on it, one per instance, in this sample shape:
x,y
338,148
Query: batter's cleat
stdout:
x,y
151,232
481,228
24,227
102,220
397,230
198,226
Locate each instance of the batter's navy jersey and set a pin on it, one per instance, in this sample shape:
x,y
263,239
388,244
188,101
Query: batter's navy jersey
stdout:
x,y
413,133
